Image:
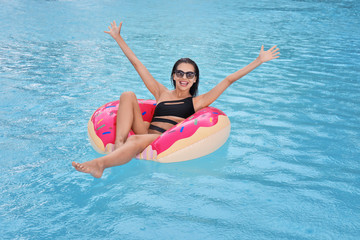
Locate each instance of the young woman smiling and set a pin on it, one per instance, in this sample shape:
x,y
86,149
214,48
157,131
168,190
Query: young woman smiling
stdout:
x,y
172,107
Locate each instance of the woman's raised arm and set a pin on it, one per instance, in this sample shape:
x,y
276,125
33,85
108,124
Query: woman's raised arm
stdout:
x,y
154,86
206,99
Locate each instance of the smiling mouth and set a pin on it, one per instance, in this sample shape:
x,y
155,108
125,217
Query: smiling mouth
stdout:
x,y
183,83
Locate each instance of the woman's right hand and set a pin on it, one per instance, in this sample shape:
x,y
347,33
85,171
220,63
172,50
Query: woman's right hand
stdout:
x,y
114,30
268,55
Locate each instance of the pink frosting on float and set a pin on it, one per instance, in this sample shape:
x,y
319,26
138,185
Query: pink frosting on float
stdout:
x,y
206,117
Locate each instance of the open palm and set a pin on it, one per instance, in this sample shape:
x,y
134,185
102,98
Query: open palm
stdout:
x,y
114,30
268,55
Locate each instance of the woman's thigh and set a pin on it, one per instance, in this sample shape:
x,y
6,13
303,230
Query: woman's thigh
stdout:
x,y
138,125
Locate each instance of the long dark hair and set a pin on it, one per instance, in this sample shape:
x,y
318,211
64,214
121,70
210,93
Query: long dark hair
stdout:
x,y
194,87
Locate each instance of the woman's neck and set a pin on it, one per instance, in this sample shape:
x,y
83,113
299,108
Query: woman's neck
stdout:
x,y
181,94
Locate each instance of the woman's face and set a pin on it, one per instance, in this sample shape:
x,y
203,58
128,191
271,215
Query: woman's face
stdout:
x,y
184,76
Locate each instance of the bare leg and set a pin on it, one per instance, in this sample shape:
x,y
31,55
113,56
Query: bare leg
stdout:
x,y
128,117
134,145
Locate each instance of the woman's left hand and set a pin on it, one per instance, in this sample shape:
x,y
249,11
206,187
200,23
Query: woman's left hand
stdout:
x,y
114,30
268,55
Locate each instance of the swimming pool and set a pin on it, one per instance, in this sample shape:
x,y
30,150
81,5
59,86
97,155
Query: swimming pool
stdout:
x,y
290,169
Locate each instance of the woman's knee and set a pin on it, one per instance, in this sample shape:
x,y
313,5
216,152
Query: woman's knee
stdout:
x,y
128,95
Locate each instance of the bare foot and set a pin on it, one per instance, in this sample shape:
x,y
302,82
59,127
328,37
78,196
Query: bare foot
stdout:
x,y
91,167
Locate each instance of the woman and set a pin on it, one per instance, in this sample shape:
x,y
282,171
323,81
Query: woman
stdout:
x,y
173,105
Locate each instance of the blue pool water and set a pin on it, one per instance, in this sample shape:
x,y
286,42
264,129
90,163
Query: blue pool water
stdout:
x,y
290,169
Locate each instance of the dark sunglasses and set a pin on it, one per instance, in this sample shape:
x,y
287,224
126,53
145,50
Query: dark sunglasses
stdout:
x,y
189,75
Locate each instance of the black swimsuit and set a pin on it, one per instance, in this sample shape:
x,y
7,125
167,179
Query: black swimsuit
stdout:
x,y
183,108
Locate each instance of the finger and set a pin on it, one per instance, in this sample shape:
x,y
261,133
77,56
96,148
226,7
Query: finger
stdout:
x,y
275,50
272,47
277,53
120,24
106,32
262,48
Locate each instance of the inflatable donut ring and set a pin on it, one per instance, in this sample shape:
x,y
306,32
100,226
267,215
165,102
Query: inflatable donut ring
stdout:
x,y
200,134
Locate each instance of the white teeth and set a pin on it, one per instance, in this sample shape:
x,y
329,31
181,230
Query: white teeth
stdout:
x,y
183,83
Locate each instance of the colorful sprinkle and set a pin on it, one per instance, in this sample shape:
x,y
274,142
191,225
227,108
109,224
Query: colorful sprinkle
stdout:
x,y
211,119
143,113
195,122
191,117
100,127
182,128
110,106
100,121
215,113
106,133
